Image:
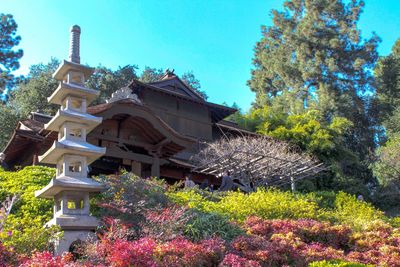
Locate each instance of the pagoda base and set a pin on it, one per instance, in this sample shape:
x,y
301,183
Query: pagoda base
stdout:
x,y
70,238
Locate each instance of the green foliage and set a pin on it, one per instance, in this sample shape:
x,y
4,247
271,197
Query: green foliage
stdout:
x,y
9,59
340,208
31,94
387,98
305,130
337,263
8,120
150,75
128,197
190,80
354,213
387,166
207,225
294,62
24,227
268,204
107,81
311,71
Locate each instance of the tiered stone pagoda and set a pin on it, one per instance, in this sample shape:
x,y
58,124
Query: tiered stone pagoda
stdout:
x,y
71,153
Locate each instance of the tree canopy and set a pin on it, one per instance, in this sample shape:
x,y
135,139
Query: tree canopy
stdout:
x,y
9,58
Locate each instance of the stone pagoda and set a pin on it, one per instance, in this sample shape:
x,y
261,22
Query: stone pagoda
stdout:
x,y
71,153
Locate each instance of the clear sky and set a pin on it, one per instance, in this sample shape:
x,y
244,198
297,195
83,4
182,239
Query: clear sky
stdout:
x,y
214,39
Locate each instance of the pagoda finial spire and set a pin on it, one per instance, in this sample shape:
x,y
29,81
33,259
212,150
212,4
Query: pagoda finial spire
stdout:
x,y
74,44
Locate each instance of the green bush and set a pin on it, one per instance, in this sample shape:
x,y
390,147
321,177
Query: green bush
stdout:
x,y
24,229
337,264
340,208
207,225
267,204
354,213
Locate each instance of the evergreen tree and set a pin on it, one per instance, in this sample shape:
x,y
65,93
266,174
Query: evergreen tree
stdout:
x,y
190,80
387,100
313,57
150,75
108,81
9,59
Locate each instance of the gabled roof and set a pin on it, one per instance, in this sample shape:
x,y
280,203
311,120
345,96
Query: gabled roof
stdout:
x,y
218,112
171,82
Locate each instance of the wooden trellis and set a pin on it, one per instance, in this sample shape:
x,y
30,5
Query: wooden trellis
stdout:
x,y
256,161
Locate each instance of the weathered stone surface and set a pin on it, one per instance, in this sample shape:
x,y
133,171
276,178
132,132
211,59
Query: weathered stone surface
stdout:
x,y
71,152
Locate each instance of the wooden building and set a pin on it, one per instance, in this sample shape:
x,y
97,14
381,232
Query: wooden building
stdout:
x,y
151,129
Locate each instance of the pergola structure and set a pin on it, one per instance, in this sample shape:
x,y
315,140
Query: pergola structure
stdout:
x,y
256,161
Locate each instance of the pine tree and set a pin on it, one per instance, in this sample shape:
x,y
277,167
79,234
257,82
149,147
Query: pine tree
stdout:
x,y
9,59
313,57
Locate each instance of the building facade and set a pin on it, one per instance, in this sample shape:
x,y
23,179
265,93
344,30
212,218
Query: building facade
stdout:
x,y
150,129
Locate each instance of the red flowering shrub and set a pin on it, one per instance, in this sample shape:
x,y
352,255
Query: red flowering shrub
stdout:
x,y
7,256
381,256
165,224
374,237
308,231
267,253
46,259
232,260
182,252
317,252
136,253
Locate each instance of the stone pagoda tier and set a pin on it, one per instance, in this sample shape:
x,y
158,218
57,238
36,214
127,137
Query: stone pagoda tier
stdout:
x,y
71,153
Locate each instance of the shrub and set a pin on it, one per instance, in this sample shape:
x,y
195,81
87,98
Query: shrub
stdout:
x,y
325,263
165,224
341,208
309,231
129,197
182,252
7,256
268,204
232,260
46,259
354,213
207,225
24,229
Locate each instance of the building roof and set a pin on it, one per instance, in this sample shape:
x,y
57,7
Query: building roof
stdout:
x,y
218,112
173,83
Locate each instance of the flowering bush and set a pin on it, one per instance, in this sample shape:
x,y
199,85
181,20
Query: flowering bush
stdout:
x,y
336,236
46,259
337,264
232,260
182,252
143,227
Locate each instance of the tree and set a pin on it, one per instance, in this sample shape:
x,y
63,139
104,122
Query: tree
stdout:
x,y
190,80
8,120
387,166
313,56
387,100
9,59
108,81
150,75
31,94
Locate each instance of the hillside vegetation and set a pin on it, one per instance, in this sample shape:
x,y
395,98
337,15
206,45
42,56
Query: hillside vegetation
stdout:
x,y
147,223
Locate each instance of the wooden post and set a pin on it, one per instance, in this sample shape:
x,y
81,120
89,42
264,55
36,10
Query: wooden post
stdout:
x,y
292,183
155,167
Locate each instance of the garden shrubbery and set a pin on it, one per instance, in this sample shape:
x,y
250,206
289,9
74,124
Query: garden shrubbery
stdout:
x,y
23,229
145,223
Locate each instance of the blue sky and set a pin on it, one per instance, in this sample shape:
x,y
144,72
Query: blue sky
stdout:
x,y
214,39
